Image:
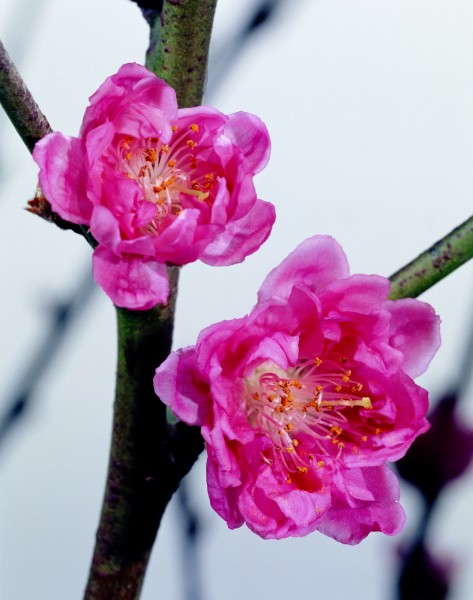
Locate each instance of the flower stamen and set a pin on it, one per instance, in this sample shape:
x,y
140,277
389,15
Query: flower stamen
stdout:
x,y
311,410
162,172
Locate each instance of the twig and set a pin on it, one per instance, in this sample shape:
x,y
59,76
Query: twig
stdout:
x,y
434,264
31,126
19,104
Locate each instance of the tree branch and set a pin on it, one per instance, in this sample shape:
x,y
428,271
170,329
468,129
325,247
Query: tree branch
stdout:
x,y
19,104
179,46
145,465
446,255
148,456
31,126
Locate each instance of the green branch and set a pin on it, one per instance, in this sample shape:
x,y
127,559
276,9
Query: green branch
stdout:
x,y
146,465
434,264
179,47
148,456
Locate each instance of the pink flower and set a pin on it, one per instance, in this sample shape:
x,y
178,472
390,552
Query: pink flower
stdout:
x,y
303,401
157,185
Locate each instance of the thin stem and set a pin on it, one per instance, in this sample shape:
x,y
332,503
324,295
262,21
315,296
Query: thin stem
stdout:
x,y
434,264
19,104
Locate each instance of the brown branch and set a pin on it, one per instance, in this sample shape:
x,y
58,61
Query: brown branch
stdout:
x,y
31,126
19,104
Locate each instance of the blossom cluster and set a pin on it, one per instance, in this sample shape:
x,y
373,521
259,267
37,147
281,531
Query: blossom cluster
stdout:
x,y
302,402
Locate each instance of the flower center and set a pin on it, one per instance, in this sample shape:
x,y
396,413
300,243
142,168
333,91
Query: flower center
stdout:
x,y
169,175
310,413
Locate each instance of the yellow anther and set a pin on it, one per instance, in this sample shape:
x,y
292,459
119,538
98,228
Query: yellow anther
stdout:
x,y
289,427
302,469
165,148
289,449
318,361
172,163
320,463
295,443
125,143
194,127
151,154
288,480
191,143
378,430
174,128
364,438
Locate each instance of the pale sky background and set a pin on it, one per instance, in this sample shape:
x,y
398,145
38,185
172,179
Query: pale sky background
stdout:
x,y
369,107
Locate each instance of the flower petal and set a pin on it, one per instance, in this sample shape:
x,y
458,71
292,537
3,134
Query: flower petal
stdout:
x,y
241,238
129,281
367,501
314,264
415,331
249,133
63,176
178,384
132,84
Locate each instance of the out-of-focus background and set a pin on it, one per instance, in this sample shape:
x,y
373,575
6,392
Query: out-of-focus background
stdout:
x,y
369,107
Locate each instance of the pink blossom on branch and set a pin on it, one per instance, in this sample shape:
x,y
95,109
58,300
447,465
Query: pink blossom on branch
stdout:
x,y
302,402
157,185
